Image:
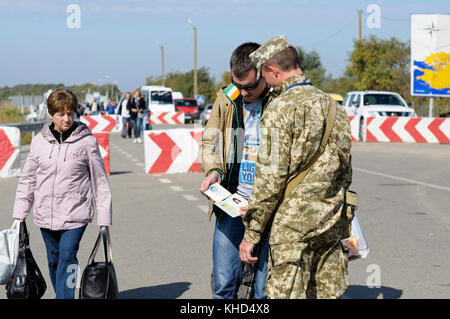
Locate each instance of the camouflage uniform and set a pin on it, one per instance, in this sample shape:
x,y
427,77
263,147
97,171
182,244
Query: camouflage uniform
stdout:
x,y
306,258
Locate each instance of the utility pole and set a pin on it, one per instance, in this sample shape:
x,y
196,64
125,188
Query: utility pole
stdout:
x,y
359,24
195,57
162,66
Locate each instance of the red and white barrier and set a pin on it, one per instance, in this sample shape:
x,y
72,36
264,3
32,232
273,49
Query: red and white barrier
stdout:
x,y
166,118
407,129
103,123
9,152
172,151
354,126
103,145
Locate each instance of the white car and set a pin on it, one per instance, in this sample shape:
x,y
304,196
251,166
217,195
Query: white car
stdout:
x,y
204,116
376,103
366,104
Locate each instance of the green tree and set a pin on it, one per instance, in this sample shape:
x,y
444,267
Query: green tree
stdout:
x,y
312,67
379,64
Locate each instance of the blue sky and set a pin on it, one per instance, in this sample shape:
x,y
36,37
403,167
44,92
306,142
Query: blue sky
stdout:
x,y
117,39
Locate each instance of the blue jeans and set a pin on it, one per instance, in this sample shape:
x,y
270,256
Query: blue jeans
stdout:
x,y
138,128
227,266
62,248
126,126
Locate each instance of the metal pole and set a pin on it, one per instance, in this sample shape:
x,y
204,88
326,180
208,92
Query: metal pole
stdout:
x,y
430,109
162,66
359,24
195,62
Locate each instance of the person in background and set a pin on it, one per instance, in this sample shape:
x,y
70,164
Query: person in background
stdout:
x,y
62,178
111,107
101,107
137,107
146,114
94,107
123,110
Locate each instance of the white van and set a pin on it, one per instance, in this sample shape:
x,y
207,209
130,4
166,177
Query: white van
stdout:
x,y
176,95
158,98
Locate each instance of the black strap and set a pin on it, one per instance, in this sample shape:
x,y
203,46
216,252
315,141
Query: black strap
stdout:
x,y
103,235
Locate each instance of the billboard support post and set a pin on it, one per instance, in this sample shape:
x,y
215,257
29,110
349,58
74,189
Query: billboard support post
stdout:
x,y
430,110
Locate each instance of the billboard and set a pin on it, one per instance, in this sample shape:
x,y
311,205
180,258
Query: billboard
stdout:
x,y
430,55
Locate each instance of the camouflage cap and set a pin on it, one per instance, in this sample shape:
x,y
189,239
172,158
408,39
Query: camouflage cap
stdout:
x,y
268,50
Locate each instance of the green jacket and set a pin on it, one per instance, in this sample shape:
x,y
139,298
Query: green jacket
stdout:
x,y
292,127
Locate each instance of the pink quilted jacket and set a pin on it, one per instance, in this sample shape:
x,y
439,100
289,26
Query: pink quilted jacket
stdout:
x,y
63,181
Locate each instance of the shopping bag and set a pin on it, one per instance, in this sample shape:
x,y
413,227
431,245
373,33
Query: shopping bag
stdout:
x,y
356,243
27,281
9,250
99,279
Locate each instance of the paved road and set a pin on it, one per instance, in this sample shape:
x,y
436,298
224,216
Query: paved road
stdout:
x,y
162,239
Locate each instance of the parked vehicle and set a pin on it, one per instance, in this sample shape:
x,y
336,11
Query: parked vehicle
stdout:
x,y
158,98
366,104
204,116
376,103
190,108
176,95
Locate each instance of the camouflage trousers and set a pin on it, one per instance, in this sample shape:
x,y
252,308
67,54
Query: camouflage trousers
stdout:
x,y
303,271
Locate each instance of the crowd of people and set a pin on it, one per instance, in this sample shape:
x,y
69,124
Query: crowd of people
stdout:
x,y
132,108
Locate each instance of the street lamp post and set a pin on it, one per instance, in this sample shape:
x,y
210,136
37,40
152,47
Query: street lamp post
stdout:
x,y
162,64
195,57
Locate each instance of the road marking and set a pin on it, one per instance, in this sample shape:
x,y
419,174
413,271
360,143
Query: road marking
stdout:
x,y
134,160
190,197
203,208
140,164
165,180
402,179
176,188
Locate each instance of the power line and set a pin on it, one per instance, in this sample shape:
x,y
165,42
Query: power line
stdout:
x,y
334,34
394,19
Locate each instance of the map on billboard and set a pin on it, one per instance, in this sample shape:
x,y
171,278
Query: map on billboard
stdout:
x,y
430,54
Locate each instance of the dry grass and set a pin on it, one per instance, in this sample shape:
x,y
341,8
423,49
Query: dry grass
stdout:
x,y
11,114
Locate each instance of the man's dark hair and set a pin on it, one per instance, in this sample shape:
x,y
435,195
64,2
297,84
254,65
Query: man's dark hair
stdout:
x,y
240,63
287,60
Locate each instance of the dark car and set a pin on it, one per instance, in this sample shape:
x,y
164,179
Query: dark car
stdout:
x,y
190,108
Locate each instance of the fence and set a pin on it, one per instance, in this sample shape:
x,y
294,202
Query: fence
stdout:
x,y
438,110
26,100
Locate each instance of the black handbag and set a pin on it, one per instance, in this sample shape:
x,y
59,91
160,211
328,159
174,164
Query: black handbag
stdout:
x,y
27,281
99,279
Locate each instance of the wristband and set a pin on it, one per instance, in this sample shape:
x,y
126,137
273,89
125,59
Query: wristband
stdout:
x,y
222,175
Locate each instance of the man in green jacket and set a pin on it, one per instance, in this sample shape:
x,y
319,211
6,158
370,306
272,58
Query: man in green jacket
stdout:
x,y
306,258
228,156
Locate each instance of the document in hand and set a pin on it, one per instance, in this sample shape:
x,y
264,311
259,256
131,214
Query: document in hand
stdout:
x,y
229,203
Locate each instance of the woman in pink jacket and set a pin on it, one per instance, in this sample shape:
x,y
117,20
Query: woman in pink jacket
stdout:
x,y
64,177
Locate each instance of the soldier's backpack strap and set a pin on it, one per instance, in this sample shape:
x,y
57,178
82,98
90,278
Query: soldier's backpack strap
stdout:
x,y
305,170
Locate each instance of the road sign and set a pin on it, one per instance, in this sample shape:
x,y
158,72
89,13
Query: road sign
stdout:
x,y
200,99
430,55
